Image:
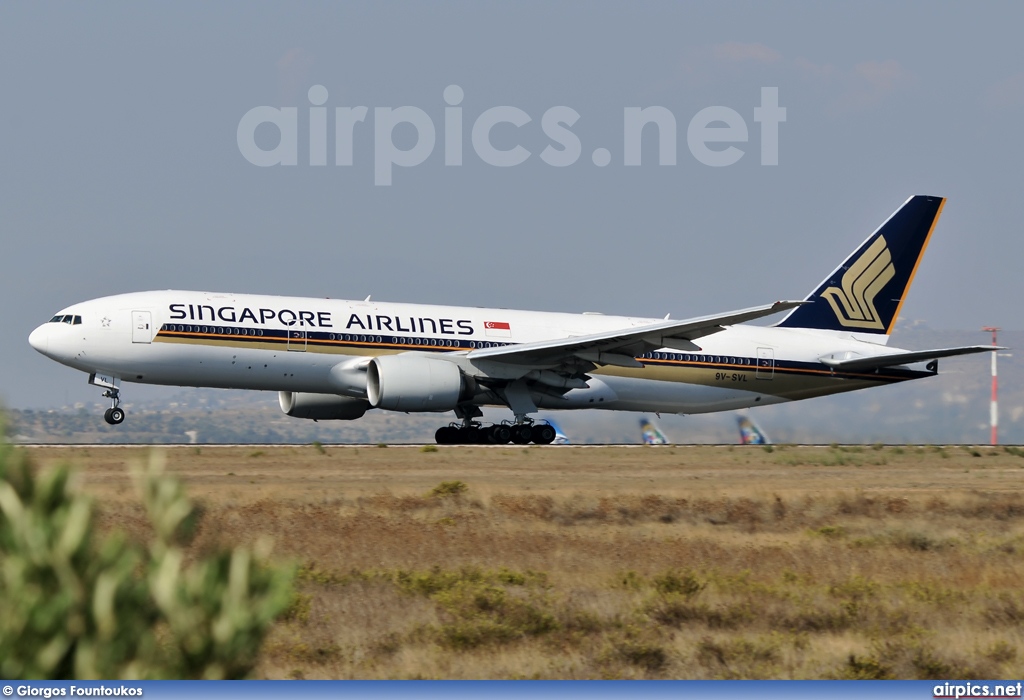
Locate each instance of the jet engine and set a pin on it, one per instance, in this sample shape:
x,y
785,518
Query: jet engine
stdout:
x,y
321,406
411,382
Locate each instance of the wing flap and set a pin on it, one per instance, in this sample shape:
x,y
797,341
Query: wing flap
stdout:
x,y
903,358
615,347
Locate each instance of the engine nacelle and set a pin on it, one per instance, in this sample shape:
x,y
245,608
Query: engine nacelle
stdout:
x,y
411,382
321,406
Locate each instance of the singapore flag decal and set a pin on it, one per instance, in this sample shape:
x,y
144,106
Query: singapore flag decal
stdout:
x,y
497,329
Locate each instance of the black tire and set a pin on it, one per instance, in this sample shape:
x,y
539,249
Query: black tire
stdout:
x,y
522,434
444,435
116,416
500,434
543,434
106,416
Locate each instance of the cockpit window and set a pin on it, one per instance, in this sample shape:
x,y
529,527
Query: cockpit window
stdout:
x,y
56,319
68,319
77,321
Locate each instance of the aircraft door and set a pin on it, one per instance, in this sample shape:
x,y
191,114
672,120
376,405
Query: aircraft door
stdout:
x,y
765,363
297,339
142,327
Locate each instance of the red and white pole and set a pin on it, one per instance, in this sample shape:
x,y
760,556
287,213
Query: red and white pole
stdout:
x,y
994,409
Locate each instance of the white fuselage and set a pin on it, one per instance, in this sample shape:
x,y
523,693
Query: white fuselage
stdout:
x,y
292,344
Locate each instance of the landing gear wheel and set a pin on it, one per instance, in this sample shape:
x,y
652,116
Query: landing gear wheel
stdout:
x,y
522,434
113,415
446,435
543,434
499,434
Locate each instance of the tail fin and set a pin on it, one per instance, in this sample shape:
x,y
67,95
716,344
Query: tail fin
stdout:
x,y
650,434
750,432
865,293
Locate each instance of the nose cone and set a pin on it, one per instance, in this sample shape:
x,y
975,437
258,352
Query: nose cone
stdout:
x,y
40,338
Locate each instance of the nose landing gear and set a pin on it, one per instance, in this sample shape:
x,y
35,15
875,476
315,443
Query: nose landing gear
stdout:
x,y
115,414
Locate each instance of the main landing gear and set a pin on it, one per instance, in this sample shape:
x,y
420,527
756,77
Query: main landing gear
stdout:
x,y
115,414
473,433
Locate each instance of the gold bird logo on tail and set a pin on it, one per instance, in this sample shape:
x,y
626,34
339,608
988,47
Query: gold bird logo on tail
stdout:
x,y
854,304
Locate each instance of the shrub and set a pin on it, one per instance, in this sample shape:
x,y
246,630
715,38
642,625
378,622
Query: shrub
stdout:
x,y
865,669
685,584
479,614
73,605
830,531
449,488
648,655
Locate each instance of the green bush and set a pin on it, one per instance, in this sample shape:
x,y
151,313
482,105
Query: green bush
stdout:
x,y
449,488
685,584
75,605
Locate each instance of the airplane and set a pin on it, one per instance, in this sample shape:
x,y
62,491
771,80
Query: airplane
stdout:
x,y
750,432
335,359
650,434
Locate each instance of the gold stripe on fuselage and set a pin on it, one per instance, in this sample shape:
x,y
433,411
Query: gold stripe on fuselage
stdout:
x,y
789,383
785,382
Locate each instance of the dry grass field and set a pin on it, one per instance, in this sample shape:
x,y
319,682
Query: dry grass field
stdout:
x,y
618,562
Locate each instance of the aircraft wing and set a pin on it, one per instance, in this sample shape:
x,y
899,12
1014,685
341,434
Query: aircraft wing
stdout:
x,y
620,347
904,358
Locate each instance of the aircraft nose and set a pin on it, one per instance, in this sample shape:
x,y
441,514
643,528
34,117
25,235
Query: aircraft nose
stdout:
x,y
40,338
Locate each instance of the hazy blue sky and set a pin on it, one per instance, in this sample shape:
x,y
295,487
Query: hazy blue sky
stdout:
x,y
120,168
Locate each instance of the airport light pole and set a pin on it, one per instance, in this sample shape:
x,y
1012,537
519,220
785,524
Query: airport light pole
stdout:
x,y
994,409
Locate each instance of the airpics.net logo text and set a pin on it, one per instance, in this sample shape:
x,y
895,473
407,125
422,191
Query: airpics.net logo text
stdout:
x,y
711,135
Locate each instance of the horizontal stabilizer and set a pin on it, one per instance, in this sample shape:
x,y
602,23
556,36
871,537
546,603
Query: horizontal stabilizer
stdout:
x,y
903,358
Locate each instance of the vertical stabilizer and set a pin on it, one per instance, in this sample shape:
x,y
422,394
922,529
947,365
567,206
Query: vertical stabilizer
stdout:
x,y
865,293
